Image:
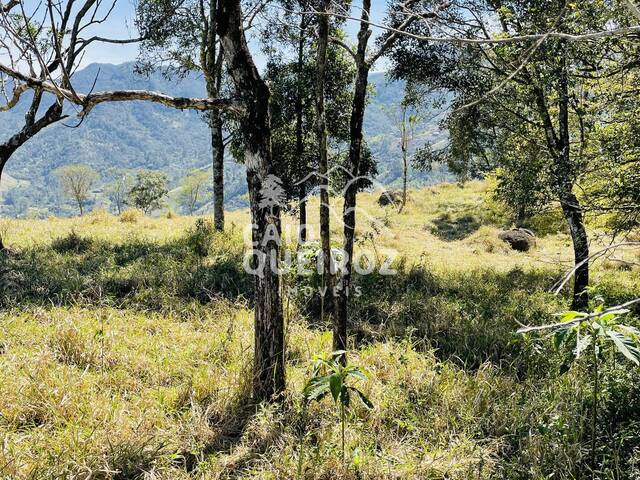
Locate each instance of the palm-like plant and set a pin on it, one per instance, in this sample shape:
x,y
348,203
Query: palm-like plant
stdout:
x,y
330,376
597,333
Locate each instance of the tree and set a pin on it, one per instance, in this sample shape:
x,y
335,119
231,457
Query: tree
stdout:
x,y
255,129
522,107
148,191
311,94
189,42
252,106
76,182
118,190
193,189
364,61
408,123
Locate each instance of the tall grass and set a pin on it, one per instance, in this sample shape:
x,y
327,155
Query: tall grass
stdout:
x,y
126,354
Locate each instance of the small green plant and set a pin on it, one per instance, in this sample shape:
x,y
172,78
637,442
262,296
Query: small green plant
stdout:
x,y
599,334
200,237
331,375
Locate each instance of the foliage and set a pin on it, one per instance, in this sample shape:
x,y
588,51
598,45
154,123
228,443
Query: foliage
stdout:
x,y
148,191
118,344
199,237
118,190
76,182
193,190
331,376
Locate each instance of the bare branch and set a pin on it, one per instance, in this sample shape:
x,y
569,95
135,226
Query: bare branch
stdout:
x,y
560,285
6,8
88,101
616,32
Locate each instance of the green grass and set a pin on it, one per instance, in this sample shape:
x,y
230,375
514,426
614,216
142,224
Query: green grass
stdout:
x,y
126,354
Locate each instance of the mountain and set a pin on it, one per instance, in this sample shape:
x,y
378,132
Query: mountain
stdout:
x,y
142,135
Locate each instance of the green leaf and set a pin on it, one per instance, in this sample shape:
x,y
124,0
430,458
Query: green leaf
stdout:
x,y
356,373
367,403
569,316
316,388
335,384
559,338
625,346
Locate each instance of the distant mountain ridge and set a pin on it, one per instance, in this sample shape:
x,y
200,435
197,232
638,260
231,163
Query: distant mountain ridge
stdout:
x,y
142,135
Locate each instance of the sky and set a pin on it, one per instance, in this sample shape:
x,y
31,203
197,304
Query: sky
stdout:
x,y
121,25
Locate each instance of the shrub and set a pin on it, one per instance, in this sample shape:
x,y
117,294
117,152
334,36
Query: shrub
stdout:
x,y
131,215
71,243
200,237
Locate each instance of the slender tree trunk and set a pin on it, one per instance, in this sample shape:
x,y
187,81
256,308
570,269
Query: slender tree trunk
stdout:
x,y
302,231
325,227
269,365
211,56
302,234
573,214
4,158
80,207
405,166
565,178
350,196
217,147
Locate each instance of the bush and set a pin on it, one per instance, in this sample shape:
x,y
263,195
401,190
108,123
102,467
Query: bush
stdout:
x,y
72,243
131,215
200,237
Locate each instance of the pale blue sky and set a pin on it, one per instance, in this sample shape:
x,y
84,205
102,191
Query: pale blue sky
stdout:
x,y
121,25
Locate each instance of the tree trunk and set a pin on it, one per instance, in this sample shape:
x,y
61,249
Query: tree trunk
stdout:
x,y
351,191
405,166
573,214
211,56
302,234
269,365
565,178
302,230
325,227
217,147
4,157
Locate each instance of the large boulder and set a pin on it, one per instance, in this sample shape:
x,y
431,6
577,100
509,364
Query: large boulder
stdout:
x,y
390,197
519,239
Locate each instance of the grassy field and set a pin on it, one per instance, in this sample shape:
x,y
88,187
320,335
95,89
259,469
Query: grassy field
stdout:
x,y
124,354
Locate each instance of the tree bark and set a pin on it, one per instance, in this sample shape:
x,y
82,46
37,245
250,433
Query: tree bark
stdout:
x,y
405,148
217,148
302,230
565,178
269,365
573,214
325,227
212,63
350,197
4,158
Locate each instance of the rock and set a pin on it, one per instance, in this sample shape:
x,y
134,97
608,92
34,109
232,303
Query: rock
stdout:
x,y
390,198
519,239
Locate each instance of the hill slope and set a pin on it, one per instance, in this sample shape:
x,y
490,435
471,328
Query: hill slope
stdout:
x,y
143,135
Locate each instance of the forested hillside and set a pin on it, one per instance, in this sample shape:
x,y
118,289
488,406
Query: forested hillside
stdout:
x,y
142,135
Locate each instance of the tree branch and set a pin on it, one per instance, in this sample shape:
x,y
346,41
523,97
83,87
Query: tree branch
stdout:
x,y
88,101
6,8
